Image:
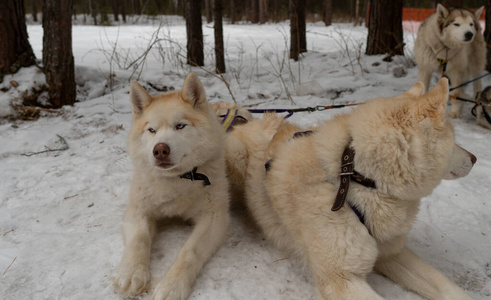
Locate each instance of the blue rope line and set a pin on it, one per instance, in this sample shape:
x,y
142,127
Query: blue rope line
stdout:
x,y
470,81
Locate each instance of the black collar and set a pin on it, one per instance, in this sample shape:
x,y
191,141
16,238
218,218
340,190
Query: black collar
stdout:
x,y
347,174
193,175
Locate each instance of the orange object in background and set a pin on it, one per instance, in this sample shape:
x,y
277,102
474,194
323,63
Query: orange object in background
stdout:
x,y
420,14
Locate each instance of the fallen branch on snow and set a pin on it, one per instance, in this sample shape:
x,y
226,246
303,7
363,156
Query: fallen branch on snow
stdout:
x,y
63,148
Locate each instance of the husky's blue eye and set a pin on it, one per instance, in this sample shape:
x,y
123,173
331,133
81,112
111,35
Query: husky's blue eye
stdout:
x,y
456,24
152,130
180,126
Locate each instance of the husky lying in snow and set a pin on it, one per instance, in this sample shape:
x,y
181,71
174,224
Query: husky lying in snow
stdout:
x,y
177,148
344,196
454,35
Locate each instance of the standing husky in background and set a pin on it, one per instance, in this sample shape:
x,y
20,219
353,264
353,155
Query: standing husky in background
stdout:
x,y
177,148
452,35
345,196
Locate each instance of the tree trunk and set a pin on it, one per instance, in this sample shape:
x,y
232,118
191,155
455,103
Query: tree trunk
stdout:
x,y
194,33
123,11
34,7
115,7
351,10
137,7
357,13
57,52
385,28
209,11
453,3
263,11
254,11
92,10
298,41
232,12
328,12
487,33
219,53
15,50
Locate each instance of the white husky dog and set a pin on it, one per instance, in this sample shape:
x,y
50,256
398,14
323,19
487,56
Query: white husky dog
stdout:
x,y
344,196
177,148
452,35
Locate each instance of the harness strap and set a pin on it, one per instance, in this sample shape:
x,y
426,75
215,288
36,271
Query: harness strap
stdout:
x,y
194,175
229,118
267,165
443,63
358,213
347,174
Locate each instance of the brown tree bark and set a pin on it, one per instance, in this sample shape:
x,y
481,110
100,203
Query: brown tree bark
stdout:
x,y
15,50
57,52
232,12
385,28
209,10
194,32
115,7
263,11
219,53
123,11
298,41
487,33
327,12
34,7
254,11
92,10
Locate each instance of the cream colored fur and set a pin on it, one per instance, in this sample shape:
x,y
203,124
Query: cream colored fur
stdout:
x,y
405,143
158,192
442,36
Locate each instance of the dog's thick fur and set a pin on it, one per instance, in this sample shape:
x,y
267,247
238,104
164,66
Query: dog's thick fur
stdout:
x,y
455,35
405,143
184,122
484,98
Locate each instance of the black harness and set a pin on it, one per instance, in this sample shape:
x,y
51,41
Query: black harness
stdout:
x,y
194,175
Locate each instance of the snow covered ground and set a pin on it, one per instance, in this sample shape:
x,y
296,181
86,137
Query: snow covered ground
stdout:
x,y
60,211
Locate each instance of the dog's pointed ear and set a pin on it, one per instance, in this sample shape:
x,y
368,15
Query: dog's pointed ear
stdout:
x,y
139,97
416,90
193,91
441,11
478,12
433,104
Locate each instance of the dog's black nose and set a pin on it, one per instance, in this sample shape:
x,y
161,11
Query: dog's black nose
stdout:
x,y
473,159
161,151
468,36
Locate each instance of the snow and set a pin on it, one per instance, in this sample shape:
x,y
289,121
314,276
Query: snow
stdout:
x,y
60,211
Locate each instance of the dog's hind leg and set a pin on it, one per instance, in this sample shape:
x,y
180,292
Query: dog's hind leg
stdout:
x,y
336,246
338,273
410,271
207,236
346,288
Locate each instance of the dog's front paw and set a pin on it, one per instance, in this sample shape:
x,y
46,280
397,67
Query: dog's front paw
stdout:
x,y
132,281
171,290
454,114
